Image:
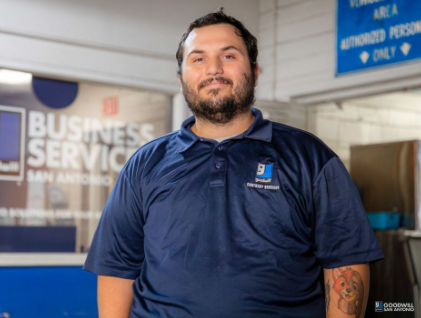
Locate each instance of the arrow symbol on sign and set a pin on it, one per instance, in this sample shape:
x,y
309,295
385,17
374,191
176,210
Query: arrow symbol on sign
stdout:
x,y
405,48
364,57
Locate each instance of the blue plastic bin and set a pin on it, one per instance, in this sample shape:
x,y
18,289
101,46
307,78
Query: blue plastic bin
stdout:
x,y
384,220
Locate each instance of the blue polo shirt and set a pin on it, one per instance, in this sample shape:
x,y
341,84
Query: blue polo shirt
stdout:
x,y
241,228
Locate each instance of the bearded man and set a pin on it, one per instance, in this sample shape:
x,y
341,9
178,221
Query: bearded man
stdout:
x,y
232,215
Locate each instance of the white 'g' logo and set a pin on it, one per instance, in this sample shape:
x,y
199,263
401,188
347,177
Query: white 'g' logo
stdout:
x,y
261,169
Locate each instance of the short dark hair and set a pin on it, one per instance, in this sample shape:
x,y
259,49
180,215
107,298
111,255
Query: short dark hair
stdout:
x,y
220,17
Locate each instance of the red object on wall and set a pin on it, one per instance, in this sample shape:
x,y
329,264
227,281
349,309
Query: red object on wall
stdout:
x,y
110,106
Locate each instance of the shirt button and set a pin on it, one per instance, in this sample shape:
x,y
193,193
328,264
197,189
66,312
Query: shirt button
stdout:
x,y
219,165
220,148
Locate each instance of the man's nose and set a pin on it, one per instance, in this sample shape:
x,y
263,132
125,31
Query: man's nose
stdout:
x,y
214,67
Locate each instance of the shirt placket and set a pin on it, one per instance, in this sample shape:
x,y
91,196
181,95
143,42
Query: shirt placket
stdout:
x,y
219,166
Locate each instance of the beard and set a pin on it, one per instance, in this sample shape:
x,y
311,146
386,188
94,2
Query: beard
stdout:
x,y
220,110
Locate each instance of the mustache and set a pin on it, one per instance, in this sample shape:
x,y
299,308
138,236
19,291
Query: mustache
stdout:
x,y
217,79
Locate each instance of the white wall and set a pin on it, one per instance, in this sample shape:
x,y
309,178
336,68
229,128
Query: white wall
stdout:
x,y
377,119
123,42
297,54
285,113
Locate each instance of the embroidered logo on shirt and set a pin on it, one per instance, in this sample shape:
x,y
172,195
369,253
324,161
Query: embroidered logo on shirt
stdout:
x,y
261,186
264,173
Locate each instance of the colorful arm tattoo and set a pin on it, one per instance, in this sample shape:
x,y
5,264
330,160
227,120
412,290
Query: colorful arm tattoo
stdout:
x,y
349,286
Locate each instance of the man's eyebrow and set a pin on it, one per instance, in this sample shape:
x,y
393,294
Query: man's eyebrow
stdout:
x,y
230,47
195,52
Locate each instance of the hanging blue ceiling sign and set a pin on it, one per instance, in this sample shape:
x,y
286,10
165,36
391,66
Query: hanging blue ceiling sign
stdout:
x,y
373,33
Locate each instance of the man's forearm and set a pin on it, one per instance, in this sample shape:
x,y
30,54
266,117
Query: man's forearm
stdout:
x,y
115,297
346,290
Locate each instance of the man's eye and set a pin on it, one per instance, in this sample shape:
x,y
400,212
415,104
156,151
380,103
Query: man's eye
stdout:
x,y
198,59
229,57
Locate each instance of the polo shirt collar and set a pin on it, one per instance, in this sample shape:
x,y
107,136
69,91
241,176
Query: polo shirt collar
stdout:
x,y
260,129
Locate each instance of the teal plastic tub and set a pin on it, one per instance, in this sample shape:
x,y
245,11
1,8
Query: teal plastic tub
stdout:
x,y
384,220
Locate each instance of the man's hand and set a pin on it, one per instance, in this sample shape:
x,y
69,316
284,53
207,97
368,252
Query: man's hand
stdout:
x,y
346,290
115,297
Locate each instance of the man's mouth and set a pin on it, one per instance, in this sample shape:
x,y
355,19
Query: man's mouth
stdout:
x,y
216,83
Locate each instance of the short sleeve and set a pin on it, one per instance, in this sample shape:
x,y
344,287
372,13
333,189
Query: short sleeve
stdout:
x,y
342,233
117,246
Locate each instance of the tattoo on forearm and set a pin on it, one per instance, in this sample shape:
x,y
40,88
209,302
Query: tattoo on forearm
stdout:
x,y
349,286
327,292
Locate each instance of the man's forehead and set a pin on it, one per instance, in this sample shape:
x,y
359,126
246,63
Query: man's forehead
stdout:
x,y
215,36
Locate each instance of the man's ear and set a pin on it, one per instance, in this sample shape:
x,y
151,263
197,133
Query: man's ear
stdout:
x,y
256,73
181,86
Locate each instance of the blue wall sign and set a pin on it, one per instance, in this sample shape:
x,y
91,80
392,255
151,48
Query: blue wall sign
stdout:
x,y
373,33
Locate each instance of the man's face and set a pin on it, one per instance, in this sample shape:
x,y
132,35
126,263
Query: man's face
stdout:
x,y
217,81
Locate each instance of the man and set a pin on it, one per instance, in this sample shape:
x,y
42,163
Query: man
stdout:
x,y
232,215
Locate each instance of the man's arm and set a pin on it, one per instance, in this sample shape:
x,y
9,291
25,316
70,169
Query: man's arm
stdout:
x,y
346,290
115,297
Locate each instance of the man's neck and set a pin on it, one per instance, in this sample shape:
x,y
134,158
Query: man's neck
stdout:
x,y
235,127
